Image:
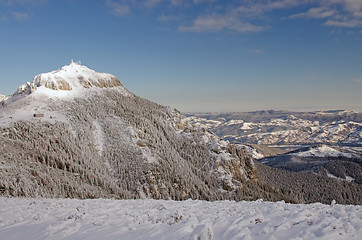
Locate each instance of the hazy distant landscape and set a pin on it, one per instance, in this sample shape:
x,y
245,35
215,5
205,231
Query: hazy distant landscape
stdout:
x,y
285,128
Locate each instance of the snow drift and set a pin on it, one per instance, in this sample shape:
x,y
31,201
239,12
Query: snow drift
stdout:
x,y
158,219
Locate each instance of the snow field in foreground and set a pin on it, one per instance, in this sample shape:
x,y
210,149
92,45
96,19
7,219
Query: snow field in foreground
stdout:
x,y
33,218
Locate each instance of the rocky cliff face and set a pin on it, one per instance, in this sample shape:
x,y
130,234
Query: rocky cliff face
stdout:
x,y
78,133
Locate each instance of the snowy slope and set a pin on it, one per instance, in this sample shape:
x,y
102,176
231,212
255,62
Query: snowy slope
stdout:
x,y
159,219
324,151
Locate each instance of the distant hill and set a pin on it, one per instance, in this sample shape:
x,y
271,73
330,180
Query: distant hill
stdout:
x,y
324,160
282,127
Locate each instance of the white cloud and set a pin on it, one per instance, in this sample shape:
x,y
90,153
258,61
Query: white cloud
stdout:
x,y
189,2
242,16
3,18
309,77
254,51
354,7
167,18
152,3
118,8
315,13
123,7
358,80
15,9
339,13
20,16
344,23
336,32
176,2
202,1
207,23
260,7
238,18
22,2
215,22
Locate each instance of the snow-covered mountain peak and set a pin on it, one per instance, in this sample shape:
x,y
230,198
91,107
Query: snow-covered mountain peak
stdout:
x,y
68,78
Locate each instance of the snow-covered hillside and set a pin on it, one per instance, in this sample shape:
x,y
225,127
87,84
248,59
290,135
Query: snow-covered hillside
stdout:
x,y
324,151
39,219
342,163
74,132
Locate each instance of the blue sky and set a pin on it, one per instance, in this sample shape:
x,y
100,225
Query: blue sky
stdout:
x,y
195,55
